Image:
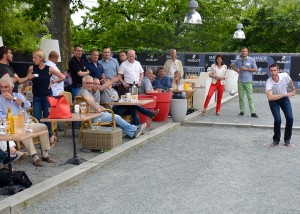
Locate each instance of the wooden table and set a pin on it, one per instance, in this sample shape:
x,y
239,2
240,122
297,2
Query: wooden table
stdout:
x,y
75,118
131,104
139,103
11,188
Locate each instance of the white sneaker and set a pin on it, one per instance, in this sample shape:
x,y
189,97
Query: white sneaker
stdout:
x,y
139,130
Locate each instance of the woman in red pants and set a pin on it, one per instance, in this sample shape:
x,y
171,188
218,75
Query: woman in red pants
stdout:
x,y
218,74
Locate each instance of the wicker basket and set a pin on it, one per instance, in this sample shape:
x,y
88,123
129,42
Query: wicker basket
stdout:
x,y
105,138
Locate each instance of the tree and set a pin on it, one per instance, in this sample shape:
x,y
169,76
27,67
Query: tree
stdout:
x,y
56,15
18,32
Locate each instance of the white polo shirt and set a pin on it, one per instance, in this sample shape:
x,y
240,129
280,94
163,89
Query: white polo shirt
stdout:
x,y
58,87
131,71
281,86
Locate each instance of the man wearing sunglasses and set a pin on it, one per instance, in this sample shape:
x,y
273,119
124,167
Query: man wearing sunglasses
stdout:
x,y
130,130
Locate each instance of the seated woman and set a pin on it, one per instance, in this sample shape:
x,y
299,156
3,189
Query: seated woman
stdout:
x,y
177,84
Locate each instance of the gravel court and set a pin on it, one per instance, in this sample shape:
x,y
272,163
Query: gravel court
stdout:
x,y
190,170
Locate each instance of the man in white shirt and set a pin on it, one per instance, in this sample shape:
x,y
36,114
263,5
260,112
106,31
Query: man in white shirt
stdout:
x,y
131,70
276,90
173,65
56,87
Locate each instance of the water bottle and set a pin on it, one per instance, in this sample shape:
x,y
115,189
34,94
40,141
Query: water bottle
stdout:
x,y
134,93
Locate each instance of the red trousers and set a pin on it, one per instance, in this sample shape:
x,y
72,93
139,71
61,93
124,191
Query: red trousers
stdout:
x,y
212,89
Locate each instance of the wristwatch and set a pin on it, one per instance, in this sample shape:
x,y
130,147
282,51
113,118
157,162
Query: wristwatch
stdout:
x,y
14,99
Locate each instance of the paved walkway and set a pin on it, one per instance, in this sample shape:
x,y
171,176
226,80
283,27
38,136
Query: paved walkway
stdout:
x,y
201,167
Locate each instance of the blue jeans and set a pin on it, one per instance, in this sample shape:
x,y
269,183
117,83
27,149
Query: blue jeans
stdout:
x,y
133,111
127,128
285,105
41,108
3,155
75,92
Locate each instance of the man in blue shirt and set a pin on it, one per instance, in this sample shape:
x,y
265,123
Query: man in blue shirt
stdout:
x,y
245,66
94,66
109,65
162,81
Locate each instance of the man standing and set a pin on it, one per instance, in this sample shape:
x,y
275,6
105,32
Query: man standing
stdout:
x,y
245,66
131,70
279,98
94,66
109,65
173,65
6,57
56,87
122,57
77,70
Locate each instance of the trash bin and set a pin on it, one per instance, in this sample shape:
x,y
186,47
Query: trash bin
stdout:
x,y
149,106
163,104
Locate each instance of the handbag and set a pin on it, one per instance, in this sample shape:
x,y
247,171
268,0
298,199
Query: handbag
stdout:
x,y
60,108
19,178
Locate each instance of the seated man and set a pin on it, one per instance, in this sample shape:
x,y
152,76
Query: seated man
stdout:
x,y
162,81
146,86
131,130
177,84
109,94
16,101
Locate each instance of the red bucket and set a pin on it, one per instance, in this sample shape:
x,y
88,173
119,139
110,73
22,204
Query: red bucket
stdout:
x,y
149,106
163,104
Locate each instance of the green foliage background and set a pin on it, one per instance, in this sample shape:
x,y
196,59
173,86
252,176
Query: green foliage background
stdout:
x,y
157,25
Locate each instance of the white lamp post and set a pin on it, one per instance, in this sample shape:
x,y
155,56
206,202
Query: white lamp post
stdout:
x,y
239,34
193,17
48,45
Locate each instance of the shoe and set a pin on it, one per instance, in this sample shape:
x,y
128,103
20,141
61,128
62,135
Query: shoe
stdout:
x,y
37,162
287,143
275,143
218,113
139,130
241,114
48,159
20,156
204,110
254,115
154,113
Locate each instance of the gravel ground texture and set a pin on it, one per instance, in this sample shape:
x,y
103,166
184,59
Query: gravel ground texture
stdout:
x,y
194,169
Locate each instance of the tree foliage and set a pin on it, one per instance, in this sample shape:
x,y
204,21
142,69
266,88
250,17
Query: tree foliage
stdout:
x,y
19,32
157,25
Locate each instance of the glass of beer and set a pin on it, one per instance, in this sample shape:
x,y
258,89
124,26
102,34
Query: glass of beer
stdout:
x,y
83,108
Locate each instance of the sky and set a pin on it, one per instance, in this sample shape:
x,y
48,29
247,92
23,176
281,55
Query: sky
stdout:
x,y
77,16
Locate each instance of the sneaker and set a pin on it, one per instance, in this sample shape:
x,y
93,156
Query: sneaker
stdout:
x,y
287,143
241,114
254,115
20,156
139,130
154,113
275,143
